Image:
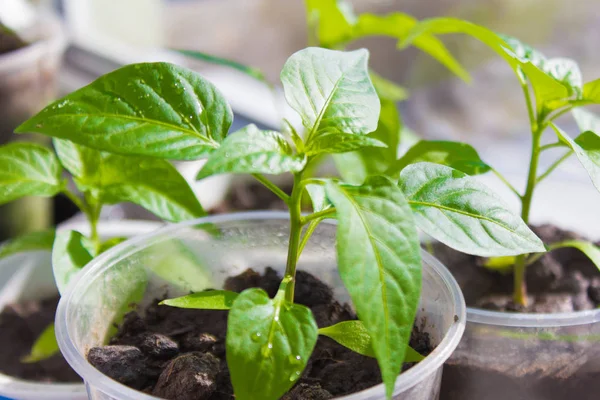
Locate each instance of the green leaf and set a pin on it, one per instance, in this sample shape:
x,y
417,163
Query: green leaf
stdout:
x,y
586,120
587,149
397,25
460,156
34,241
44,347
28,169
208,300
380,264
250,71
545,88
251,150
318,197
356,166
151,109
464,214
341,143
591,91
589,249
268,344
500,264
110,243
331,91
329,21
387,89
70,253
80,161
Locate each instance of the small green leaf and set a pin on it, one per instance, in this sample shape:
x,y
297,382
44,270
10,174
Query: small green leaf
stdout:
x,y
341,143
329,21
70,253
379,261
208,300
80,161
500,264
460,156
586,120
251,150
250,71
587,149
589,249
356,166
44,347
387,89
318,197
591,92
34,241
28,169
110,243
464,214
352,335
268,344
151,109
545,87
332,91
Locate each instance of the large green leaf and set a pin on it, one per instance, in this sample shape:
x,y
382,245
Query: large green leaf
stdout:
x,y
268,344
251,150
28,169
356,166
153,109
210,58
380,264
464,214
587,149
34,241
44,347
318,197
589,249
460,156
80,161
332,91
207,300
354,336
329,21
70,253
341,143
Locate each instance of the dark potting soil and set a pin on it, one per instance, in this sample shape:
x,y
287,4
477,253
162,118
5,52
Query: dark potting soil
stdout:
x,y
488,366
563,280
20,325
179,354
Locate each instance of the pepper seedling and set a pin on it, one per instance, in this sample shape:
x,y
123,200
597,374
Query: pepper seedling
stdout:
x,y
28,169
552,87
166,111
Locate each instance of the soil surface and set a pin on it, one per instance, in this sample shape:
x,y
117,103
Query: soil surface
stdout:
x,y
165,351
563,280
488,365
249,196
20,325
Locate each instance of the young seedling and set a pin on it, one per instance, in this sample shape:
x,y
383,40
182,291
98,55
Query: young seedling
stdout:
x,y
165,111
28,169
552,87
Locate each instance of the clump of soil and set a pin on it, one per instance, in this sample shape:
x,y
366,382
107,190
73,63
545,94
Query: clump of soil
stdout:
x,y
563,280
9,41
495,363
180,353
20,326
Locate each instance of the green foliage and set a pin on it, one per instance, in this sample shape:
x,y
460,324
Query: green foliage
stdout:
x,y
28,169
208,300
150,109
459,211
44,347
70,253
35,241
250,71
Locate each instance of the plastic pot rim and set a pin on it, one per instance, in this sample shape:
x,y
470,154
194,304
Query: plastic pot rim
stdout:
x,y
94,377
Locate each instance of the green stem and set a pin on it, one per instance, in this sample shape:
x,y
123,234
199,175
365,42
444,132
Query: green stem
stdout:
x,y
76,200
273,188
551,146
308,233
317,215
506,182
295,206
554,166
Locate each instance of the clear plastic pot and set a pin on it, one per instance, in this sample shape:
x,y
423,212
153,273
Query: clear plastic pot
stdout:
x,y
28,276
223,246
554,356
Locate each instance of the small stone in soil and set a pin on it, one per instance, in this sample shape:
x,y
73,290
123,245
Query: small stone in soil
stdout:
x,y
125,364
189,376
157,345
202,342
304,391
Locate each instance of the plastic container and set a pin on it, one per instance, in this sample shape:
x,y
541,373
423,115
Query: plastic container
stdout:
x,y
226,245
28,276
534,356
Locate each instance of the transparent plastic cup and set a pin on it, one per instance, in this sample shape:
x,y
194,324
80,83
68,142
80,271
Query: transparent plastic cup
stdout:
x,y
28,276
224,246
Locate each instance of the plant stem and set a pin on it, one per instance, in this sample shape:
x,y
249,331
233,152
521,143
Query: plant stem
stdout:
x,y
554,166
295,206
507,183
551,146
307,234
76,200
317,215
273,188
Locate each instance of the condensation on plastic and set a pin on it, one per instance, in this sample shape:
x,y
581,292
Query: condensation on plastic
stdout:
x,y
227,245
28,276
